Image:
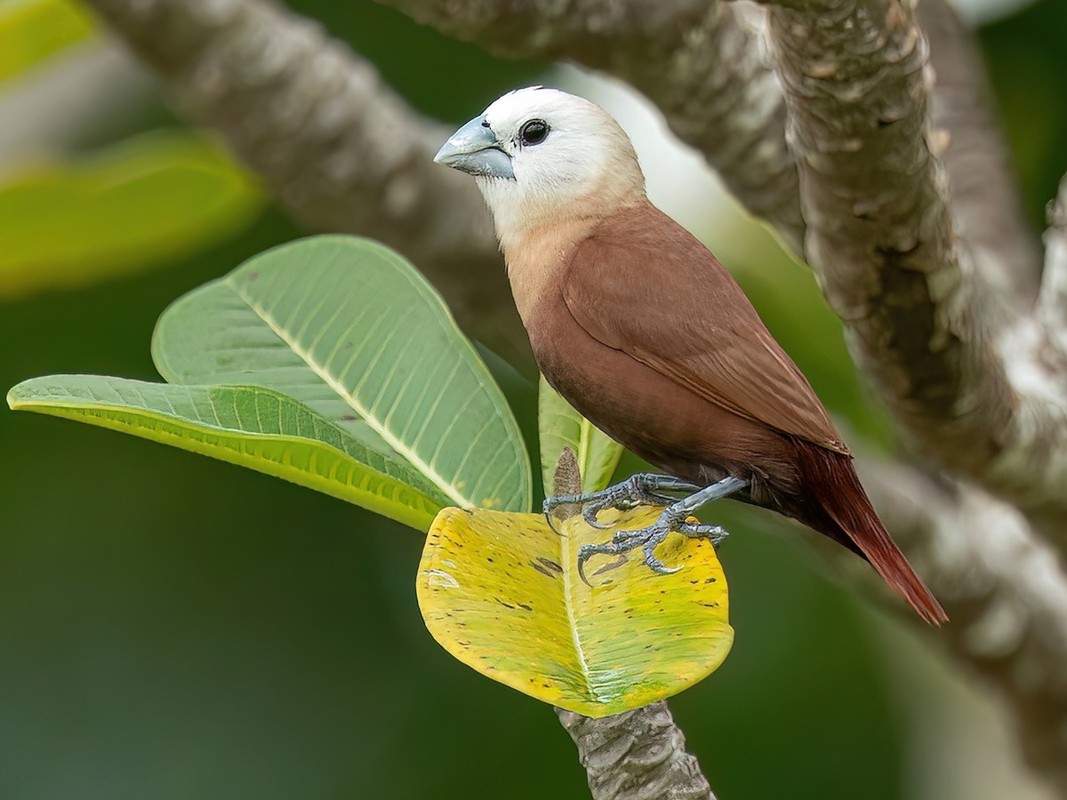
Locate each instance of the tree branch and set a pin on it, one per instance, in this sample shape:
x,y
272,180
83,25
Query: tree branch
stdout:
x,y
636,755
1004,590
705,64
342,151
1053,302
986,204
954,361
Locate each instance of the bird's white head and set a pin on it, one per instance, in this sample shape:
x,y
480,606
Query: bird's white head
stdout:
x,y
541,155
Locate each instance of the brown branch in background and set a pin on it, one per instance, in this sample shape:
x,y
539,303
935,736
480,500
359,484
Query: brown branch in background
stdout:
x,y
944,349
341,150
636,755
1006,594
703,63
879,232
1053,303
986,204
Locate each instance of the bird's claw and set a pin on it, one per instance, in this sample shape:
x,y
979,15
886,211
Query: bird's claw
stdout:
x,y
638,490
674,519
696,530
648,539
589,514
641,490
654,563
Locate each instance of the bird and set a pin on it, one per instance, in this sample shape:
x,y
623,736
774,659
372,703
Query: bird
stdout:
x,y
646,334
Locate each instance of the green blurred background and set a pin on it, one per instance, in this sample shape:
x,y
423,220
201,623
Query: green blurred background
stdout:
x,y
173,627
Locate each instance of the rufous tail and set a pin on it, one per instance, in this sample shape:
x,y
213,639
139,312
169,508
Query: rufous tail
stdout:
x,y
849,518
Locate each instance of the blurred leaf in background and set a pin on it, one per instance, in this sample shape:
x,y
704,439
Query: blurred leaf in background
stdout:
x,y
31,31
141,203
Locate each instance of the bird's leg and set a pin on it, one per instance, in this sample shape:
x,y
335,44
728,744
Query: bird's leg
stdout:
x,y
644,489
673,519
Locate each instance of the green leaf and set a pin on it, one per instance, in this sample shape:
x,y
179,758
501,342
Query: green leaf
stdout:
x,y
353,331
147,201
561,426
33,30
245,425
501,593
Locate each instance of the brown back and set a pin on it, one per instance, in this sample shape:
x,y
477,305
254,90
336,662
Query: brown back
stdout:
x,y
640,283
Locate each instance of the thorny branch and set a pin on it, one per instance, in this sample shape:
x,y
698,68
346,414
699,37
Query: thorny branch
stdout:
x,y
917,274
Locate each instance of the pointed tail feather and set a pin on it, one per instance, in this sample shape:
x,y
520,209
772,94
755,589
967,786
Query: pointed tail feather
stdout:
x,y
848,517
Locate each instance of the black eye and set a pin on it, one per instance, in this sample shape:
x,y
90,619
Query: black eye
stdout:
x,y
533,132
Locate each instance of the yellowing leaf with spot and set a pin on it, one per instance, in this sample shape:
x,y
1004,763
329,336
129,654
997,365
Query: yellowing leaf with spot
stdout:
x,y
501,592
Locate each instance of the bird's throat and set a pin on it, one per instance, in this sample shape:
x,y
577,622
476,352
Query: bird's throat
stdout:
x,y
536,258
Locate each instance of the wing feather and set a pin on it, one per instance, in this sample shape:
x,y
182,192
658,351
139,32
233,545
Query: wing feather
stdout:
x,y
645,286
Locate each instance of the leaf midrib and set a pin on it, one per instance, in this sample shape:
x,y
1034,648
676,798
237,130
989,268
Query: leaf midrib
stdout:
x,y
377,425
570,568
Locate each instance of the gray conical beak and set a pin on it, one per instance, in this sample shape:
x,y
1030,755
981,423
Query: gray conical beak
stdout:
x,y
474,148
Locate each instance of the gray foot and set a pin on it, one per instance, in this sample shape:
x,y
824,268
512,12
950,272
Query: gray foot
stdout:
x,y
672,520
644,489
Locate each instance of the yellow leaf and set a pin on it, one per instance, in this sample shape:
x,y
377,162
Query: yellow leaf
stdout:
x,y
501,592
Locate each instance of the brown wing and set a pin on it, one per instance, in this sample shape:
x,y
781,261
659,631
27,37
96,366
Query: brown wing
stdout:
x,y
644,285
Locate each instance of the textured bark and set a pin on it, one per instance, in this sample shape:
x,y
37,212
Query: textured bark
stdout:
x,y
1053,304
1005,591
985,202
960,368
705,64
636,755
341,150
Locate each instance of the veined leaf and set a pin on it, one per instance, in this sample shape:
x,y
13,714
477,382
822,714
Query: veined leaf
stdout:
x,y
350,329
246,425
501,593
143,202
329,362
33,30
560,426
